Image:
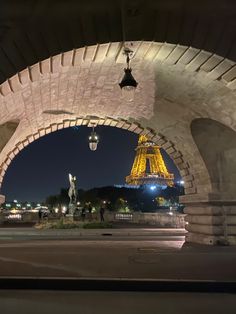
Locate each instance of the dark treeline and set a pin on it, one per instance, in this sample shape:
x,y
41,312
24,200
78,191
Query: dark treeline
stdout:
x,y
120,199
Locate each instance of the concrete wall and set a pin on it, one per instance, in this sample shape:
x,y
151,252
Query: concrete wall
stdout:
x,y
154,219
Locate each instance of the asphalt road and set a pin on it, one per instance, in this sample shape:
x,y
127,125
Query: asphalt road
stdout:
x,y
157,254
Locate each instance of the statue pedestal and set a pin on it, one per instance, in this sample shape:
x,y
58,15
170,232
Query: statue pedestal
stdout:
x,y
72,208
69,218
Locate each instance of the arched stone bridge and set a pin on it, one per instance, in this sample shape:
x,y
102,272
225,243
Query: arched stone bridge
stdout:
x,y
185,100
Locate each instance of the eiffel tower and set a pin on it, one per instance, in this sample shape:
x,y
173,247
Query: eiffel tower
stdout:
x,y
149,166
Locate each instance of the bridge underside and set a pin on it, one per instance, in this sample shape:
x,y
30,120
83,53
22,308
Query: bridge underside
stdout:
x,y
185,100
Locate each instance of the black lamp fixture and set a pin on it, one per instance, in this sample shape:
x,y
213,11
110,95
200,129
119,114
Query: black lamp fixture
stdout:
x,y
93,140
128,83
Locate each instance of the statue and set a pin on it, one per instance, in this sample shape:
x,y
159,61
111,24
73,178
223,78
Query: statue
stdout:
x,y
72,193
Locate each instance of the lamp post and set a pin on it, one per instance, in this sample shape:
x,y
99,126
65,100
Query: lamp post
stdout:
x,y
128,83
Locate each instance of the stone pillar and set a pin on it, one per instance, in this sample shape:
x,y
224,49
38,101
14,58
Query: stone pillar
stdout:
x,y
210,219
2,199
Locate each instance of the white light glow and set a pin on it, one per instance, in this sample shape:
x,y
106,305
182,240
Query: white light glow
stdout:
x,y
93,146
128,93
64,209
14,216
153,187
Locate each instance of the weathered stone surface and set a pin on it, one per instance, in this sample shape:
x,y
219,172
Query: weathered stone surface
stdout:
x,y
205,229
204,219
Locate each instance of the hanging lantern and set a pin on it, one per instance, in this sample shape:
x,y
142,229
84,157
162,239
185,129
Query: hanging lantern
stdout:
x,y
128,83
93,140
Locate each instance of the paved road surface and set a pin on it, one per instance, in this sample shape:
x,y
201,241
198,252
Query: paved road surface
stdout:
x,y
146,253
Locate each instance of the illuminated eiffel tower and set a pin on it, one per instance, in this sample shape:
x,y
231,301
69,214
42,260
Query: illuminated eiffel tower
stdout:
x,y
149,166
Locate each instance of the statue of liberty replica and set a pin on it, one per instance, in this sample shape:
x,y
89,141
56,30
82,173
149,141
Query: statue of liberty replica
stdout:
x,y
72,193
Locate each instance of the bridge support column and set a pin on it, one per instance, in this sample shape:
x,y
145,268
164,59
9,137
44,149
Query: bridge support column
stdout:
x,y
2,199
210,220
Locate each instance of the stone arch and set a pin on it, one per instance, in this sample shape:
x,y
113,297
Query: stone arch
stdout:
x,y
167,145
7,130
218,151
83,82
190,58
37,32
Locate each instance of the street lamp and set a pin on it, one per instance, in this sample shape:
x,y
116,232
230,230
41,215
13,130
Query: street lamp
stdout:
x,y
128,83
93,140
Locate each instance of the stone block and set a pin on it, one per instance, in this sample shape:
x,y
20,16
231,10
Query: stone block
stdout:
x,y
191,190
188,56
211,63
204,219
205,229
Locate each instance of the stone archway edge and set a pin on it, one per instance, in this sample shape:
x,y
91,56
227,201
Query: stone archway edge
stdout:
x,y
194,60
168,146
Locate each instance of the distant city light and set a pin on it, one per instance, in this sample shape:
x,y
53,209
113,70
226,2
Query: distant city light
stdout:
x,y
56,210
38,204
64,209
153,187
15,201
28,205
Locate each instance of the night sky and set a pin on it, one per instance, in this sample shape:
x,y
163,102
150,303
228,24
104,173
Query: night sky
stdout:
x,y
42,168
